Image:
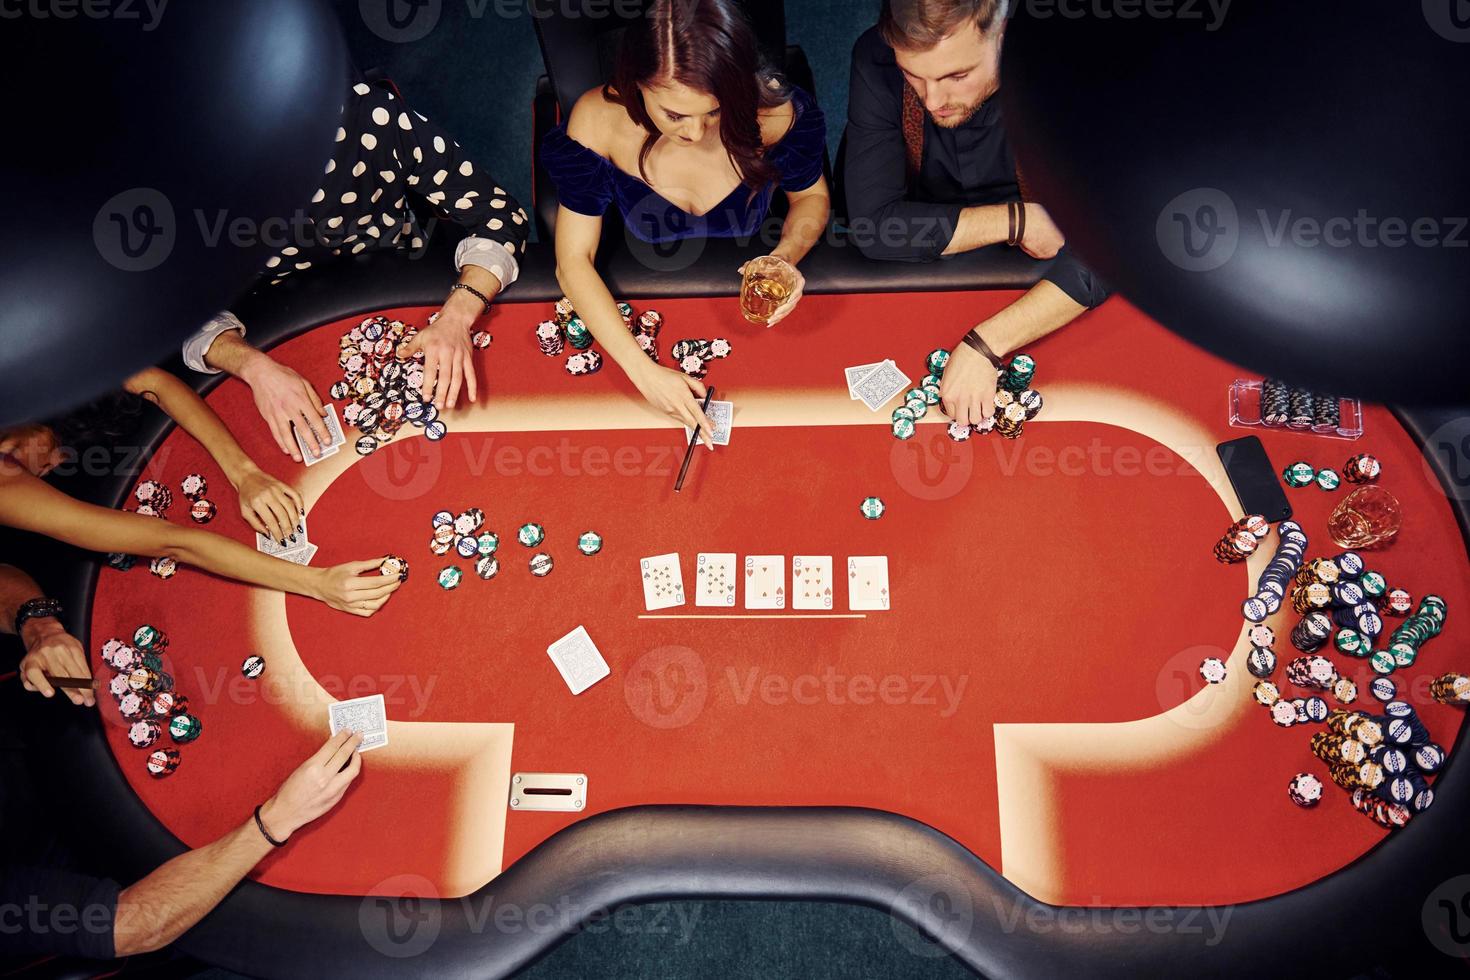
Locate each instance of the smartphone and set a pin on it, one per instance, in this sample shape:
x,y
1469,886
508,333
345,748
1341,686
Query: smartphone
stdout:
x,y
1254,478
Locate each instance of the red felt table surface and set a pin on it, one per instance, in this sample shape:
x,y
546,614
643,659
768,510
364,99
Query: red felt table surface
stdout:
x,y
1062,579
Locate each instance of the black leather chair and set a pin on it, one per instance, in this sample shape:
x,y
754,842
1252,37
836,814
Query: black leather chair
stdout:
x,y
579,49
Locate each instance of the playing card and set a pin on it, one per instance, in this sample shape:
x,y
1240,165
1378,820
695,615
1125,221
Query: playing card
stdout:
x,y
301,556
366,715
867,583
855,374
765,582
297,541
335,437
578,659
663,582
811,582
714,580
879,385
722,414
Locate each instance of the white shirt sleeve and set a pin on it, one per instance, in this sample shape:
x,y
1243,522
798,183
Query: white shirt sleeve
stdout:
x,y
198,345
489,255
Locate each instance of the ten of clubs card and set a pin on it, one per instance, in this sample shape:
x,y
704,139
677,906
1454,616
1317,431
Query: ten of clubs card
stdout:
x,y
765,582
663,582
714,580
367,716
867,583
811,582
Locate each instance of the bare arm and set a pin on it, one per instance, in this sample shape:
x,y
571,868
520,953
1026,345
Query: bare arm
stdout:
x,y
33,505
282,396
967,389
669,391
167,903
806,220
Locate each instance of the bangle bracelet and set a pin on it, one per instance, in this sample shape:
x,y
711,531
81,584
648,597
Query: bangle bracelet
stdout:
x,y
975,342
266,833
1021,224
475,293
1011,216
38,608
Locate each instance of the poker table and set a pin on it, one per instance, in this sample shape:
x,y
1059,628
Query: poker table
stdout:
x,y
1024,733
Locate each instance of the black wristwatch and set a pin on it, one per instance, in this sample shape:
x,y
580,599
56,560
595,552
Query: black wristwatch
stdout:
x,y
39,608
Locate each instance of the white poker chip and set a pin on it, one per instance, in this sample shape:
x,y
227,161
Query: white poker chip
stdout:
x,y
253,666
1305,790
1212,670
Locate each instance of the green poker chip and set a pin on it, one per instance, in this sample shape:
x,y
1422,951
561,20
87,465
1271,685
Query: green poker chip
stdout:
x,y
1382,662
903,428
531,535
589,543
936,361
1299,474
1328,479
931,394
487,543
904,412
873,508
449,578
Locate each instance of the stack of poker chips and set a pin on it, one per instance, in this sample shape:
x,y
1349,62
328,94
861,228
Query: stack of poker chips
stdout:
x,y
645,332
384,383
464,535
154,499
1241,540
577,334
201,510
1409,637
145,696
1299,408
1278,574
1384,761
550,338
584,363
394,567
1301,474
1312,632
693,356
1451,689
567,329
1398,602
1015,403
1361,468
1305,790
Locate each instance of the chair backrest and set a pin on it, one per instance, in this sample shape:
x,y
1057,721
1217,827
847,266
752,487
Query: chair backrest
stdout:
x,y
579,40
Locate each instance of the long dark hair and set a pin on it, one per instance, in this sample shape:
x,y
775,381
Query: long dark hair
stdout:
x,y
708,46
106,421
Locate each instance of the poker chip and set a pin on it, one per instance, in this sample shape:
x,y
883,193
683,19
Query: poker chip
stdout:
x,y
202,511
253,666
589,542
184,728
487,543
873,508
1299,474
449,578
150,638
194,486
487,567
443,518
384,382
162,704
1328,479
1361,468
541,564
937,360
1451,689
394,567
1261,636
121,562
436,430
1212,670
132,704
144,732
481,339
903,428
957,431
163,762
467,547
531,535
164,567
1383,688
1399,602
577,333
1305,790
1261,662
1345,690
1268,694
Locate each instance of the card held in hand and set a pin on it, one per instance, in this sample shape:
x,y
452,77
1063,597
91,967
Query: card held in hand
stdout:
x,y
368,716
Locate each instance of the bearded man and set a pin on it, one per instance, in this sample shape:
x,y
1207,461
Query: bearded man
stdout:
x,y
929,172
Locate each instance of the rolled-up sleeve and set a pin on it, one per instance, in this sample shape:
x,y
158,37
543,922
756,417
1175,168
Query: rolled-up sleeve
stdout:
x,y
882,222
196,347
1068,273
44,912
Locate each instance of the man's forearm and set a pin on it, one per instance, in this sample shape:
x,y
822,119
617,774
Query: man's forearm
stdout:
x,y
229,353
16,587
167,903
1041,310
980,226
462,308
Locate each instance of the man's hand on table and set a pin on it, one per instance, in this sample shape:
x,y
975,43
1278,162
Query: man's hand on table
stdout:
x,y
50,649
285,399
448,357
316,786
967,389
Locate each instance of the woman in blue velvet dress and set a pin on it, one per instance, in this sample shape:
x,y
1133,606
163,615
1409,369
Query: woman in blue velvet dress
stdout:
x,y
691,138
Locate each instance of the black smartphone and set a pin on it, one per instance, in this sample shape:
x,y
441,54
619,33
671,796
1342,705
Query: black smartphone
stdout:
x,y
1254,478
